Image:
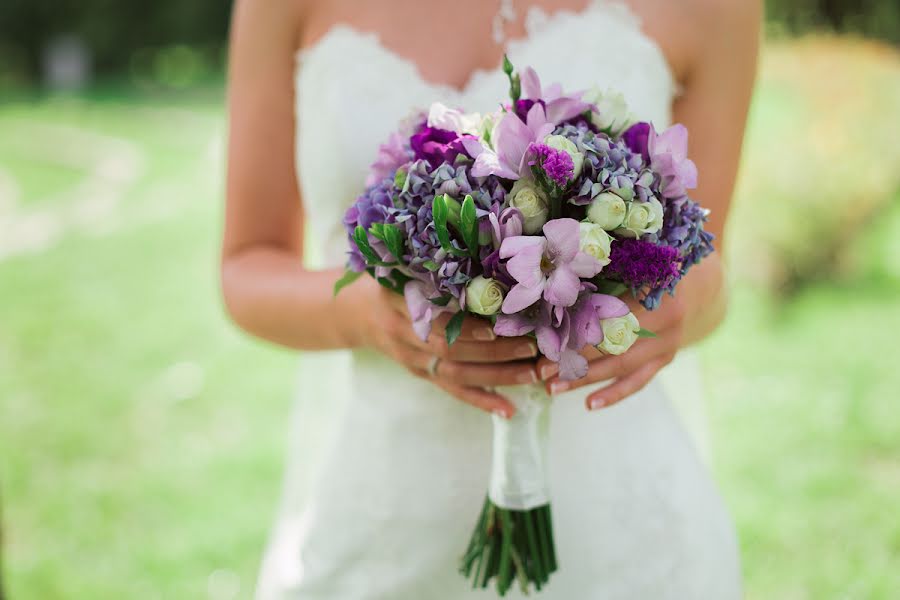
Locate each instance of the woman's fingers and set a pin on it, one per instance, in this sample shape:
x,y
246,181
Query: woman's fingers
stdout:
x,y
625,386
470,374
480,398
474,329
607,367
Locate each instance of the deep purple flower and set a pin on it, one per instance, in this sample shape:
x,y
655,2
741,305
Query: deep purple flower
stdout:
x,y
637,137
437,145
557,164
639,264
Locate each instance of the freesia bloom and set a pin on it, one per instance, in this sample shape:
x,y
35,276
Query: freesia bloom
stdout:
x,y
557,106
562,333
550,265
668,156
422,310
510,139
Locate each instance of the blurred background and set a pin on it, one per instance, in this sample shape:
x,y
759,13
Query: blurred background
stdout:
x,y
141,436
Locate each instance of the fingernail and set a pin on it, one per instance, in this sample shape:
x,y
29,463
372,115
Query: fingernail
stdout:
x,y
484,334
597,403
529,377
501,413
528,350
558,387
548,371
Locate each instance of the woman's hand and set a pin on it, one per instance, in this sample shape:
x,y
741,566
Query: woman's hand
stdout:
x,y
476,361
632,370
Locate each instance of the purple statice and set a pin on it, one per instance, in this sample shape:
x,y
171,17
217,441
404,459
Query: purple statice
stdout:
x,y
683,231
643,265
557,165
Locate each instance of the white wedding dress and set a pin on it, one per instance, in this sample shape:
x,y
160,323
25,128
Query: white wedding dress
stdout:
x,y
401,469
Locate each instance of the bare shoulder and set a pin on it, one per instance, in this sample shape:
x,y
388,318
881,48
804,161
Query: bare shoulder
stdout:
x,y
744,14
283,16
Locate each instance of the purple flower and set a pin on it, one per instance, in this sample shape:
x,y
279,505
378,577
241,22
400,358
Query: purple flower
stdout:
x,y
437,146
550,265
391,155
559,107
639,264
563,332
557,164
668,157
421,309
636,138
512,138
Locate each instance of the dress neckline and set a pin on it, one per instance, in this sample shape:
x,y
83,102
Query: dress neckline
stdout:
x,y
537,21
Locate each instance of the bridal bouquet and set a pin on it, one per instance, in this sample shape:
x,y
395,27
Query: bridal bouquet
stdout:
x,y
538,217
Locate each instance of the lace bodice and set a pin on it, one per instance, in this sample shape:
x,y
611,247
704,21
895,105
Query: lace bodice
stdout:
x,y
346,108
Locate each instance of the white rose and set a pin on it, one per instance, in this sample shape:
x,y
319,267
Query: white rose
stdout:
x,y
561,142
610,112
532,202
443,117
642,218
607,210
594,241
619,334
483,296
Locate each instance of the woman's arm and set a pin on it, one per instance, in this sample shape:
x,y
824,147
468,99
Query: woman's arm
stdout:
x,y
713,106
266,289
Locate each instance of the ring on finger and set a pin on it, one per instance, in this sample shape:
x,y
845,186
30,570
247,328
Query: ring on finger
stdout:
x,y
433,366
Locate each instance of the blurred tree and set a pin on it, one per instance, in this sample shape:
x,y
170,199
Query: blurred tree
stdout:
x,y
113,30
873,18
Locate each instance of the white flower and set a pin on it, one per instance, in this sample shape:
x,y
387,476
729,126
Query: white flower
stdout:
x,y
561,142
619,334
532,202
642,218
443,117
483,296
594,241
610,112
607,210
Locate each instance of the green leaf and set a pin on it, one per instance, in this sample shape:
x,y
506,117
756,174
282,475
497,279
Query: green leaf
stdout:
x,y
362,242
454,327
645,333
439,212
611,288
440,300
468,222
431,265
393,239
346,279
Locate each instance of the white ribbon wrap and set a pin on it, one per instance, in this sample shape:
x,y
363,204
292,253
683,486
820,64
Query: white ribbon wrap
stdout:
x,y
519,478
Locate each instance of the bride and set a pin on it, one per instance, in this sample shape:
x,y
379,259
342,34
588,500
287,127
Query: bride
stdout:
x,y
403,462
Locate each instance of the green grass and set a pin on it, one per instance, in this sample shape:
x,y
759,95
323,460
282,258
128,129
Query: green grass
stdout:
x,y
141,436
